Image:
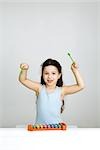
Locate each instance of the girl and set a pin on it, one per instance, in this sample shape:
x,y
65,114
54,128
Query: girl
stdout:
x,y
51,91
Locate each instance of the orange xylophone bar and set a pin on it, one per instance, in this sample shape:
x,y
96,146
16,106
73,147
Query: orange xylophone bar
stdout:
x,y
41,127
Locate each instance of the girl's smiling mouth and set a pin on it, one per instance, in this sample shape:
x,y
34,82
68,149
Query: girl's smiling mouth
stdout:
x,y
49,81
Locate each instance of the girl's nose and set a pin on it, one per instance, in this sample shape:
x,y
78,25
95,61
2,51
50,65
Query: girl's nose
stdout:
x,y
49,76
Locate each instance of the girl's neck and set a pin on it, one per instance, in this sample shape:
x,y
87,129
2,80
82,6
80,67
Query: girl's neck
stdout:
x,y
50,88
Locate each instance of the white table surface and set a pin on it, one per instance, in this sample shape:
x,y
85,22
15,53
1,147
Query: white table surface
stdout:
x,y
73,138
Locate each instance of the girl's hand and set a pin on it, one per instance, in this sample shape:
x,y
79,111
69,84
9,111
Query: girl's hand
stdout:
x,y
24,66
74,66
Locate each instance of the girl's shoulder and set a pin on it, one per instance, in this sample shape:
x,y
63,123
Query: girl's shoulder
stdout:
x,y
39,89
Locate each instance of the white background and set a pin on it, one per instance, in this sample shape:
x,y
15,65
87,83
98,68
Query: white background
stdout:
x,y
33,32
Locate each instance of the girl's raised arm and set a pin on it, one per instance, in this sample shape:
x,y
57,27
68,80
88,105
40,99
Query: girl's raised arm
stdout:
x,y
25,81
79,82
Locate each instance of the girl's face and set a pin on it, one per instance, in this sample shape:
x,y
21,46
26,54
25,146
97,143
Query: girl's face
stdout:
x,y
51,75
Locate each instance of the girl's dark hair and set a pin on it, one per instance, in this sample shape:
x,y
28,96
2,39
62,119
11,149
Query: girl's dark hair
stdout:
x,y
55,63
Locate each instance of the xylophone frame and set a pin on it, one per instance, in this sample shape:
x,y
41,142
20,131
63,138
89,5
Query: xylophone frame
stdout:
x,y
30,127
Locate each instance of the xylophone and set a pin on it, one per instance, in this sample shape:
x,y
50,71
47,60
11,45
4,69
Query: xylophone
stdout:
x,y
41,127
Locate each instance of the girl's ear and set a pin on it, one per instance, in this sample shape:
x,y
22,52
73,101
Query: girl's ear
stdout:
x,y
59,75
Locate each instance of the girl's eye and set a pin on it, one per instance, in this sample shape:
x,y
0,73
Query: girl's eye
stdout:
x,y
46,73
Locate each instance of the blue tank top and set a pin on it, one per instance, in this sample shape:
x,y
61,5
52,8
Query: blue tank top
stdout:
x,y
48,106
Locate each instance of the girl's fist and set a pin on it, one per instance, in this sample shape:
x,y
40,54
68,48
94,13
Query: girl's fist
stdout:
x,y
24,66
74,66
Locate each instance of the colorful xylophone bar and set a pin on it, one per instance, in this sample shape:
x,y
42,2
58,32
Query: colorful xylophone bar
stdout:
x,y
41,127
